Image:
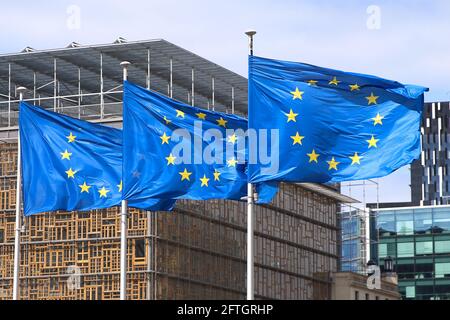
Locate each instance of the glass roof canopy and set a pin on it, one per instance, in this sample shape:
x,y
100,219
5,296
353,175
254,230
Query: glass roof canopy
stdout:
x,y
86,81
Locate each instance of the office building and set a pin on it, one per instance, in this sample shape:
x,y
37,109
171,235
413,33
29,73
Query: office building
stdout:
x,y
430,181
418,240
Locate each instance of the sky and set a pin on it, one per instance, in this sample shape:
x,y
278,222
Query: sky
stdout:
x,y
402,40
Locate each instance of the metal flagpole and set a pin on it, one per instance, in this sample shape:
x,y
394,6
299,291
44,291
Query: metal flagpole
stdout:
x,y
250,217
18,230
123,224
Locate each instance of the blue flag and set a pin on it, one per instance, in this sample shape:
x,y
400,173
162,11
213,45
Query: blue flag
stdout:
x,y
328,125
72,165
175,151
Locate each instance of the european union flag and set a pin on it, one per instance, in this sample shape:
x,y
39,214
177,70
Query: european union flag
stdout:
x,y
329,125
175,151
72,165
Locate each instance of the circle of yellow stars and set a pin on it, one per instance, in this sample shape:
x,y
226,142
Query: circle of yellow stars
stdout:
x,y
297,139
71,173
185,174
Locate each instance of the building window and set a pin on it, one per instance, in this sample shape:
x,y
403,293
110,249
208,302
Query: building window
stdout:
x,y
442,270
350,249
405,269
424,290
367,296
356,295
442,247
405,223
377,298
441,221
410,292
140,248
386,224
382,250
405,250
405,228
423,222
386,250
424,268
424,247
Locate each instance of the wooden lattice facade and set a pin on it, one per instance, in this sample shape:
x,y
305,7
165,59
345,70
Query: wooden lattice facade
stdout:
x,y
195,252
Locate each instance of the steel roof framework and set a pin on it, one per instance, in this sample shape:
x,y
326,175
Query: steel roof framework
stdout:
x,y
86,81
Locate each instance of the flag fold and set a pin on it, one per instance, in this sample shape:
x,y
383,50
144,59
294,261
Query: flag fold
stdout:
x,y
176,151
333,126
71,165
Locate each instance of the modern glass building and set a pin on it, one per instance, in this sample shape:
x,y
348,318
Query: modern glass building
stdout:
x,y
354,241
418,239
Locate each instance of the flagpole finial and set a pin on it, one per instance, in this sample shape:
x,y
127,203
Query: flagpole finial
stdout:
x,y
250,33
21,89
125,65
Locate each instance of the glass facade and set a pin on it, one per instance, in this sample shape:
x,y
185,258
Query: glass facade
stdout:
x,y
418,239
353,241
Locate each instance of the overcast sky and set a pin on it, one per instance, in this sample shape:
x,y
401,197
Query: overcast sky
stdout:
x,y
403,40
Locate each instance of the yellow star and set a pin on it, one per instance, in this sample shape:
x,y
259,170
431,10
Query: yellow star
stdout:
x,y
217,175
333,164
298,139
378,120
171,160
85,188
65,155
354,87
185,175
233,139
222,122
204,181
103,192
180,114
372,99
71,138
201,116
232,163
120,186
373,142
70,174
313,157
167,120
165,138
297,94
356,159
313,83
334,81
292,116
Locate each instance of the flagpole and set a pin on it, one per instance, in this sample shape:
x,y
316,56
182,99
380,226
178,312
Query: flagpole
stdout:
x,y
250,216
18,229
124,224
